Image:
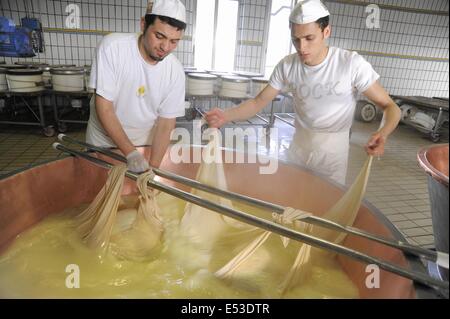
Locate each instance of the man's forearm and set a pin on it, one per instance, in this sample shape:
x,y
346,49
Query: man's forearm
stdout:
x,y
378,95
251,107
243,111
161,140
112,126
392,116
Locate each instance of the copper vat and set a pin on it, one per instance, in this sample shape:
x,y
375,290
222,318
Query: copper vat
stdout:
x,y
30,195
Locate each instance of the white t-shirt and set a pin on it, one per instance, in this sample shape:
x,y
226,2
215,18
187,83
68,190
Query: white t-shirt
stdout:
x,y
324,94
140,92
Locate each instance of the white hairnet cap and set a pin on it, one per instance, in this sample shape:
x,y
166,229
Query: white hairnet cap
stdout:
x,y
169,8
307,11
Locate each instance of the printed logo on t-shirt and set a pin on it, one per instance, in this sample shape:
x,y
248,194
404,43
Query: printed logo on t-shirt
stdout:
x,y
318,90
141,91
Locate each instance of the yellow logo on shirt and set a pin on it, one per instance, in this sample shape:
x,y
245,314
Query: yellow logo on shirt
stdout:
x,y
141,91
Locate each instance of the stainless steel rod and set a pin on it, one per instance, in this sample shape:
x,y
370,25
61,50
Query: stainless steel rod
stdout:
x,y
262,118
283,120
272,226
406,247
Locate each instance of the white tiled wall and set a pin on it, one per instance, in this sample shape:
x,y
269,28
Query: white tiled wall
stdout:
x,y
412,46
409,50
97,16
435,5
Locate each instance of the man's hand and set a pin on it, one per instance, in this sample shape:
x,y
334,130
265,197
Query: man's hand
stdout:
x,y
136,162
378,95
375,145
216,118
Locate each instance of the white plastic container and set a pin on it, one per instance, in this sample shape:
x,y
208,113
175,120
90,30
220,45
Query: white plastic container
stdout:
x,y
25,80
200,84
68,79
234,87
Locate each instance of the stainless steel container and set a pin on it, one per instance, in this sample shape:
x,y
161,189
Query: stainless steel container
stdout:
x,y
434,160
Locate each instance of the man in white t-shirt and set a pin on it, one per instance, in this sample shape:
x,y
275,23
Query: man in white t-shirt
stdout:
x,y
140,86
324,82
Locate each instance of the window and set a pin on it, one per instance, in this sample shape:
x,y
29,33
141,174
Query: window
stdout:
x,y
279,43
215,39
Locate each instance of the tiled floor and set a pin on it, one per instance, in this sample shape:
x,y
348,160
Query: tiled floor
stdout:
x,y
397,185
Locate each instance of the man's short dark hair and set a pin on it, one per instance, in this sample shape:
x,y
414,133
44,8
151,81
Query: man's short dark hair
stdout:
x,y
323,22
150,19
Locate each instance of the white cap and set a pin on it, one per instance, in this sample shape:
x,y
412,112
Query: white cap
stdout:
x,y
307,11
169,8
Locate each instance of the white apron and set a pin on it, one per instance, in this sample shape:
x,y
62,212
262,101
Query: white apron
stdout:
x,y
96,135
325,153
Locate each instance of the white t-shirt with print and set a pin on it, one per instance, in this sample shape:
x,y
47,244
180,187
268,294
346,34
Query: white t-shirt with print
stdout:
x,y
140,92
325,94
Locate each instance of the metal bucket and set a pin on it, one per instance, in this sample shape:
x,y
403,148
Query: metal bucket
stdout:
x,y
434,160
30,195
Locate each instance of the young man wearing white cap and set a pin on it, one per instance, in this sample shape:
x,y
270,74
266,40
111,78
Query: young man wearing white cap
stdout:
x,y
139,86
324,82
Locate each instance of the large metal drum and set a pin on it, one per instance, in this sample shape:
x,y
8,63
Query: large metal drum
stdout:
x,y
434,160
234,87
201,84
68,79
25,80
45,67
4,70
30,195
